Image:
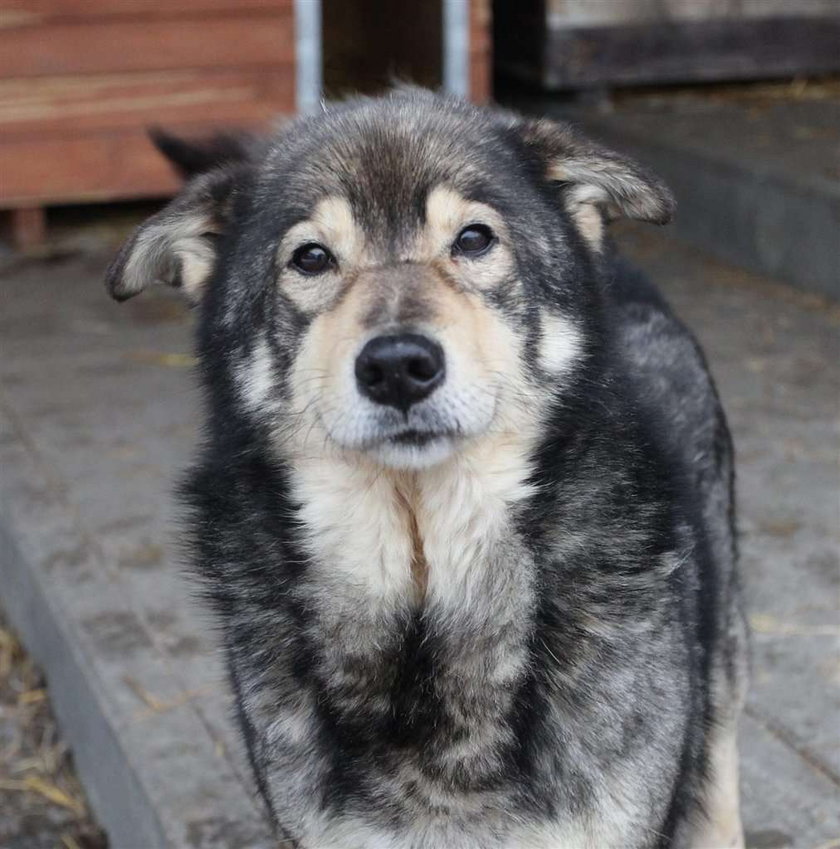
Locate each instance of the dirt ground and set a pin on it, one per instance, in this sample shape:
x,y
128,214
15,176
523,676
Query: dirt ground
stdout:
x,y
42,804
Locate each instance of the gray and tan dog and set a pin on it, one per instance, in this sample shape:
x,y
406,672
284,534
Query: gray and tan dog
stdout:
x,y
464,506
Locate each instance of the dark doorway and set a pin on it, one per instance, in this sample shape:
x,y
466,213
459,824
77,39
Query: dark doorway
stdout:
x,y
369,44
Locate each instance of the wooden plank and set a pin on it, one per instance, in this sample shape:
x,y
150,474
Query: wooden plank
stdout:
x,y
481,83
585,13
481,46
41,107
89,168
248,40
104,166
774,8
27,226
684,52
481,26
19,12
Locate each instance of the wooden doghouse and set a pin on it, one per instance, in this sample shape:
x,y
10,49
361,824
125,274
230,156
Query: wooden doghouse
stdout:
x,y
579,44
81,81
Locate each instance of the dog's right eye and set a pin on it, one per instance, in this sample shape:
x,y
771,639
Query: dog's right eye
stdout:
x,y
474,240
312,259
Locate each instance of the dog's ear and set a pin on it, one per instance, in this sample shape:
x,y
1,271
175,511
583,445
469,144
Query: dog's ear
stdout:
x,y
177,246
191,157
599,184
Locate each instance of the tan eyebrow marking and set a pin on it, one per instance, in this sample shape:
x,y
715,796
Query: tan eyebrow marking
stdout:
x,y
332,224
447,212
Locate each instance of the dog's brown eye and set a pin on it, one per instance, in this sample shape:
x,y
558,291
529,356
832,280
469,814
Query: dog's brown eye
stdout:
x,y
474,240
312,259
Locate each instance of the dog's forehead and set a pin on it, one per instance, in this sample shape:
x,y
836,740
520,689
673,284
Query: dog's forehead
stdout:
x,y
385,163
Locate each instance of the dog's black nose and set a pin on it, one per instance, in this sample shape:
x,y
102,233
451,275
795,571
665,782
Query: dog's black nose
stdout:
x,y
400,370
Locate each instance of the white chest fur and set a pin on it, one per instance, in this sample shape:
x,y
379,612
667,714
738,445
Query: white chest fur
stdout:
x,y
369,530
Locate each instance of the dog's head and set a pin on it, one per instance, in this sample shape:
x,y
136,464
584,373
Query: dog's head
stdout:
x,y
394,278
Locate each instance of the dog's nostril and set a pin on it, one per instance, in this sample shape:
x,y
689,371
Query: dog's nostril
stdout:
x,y
370,374
400,370
422,368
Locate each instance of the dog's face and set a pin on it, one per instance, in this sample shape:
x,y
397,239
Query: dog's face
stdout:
x,y
407,351
395,279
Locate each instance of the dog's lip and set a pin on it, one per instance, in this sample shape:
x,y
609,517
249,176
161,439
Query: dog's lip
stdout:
x,y
409,437
416,438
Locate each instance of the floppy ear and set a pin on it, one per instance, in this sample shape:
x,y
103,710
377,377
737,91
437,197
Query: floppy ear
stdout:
x,y
600,185
177,246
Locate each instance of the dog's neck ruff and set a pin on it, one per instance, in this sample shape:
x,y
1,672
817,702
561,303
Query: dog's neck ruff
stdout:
x,y
394,537
405,566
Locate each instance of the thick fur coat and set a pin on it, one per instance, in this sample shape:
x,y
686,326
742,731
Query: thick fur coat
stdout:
x,y
501,615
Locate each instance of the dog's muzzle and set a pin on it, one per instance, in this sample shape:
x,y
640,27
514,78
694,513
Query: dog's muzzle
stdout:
x,y
400,370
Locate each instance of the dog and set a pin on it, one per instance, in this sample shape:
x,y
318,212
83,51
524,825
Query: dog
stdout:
x,y
464,506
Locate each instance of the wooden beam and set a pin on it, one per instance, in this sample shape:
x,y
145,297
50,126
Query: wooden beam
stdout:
x,y
249,40
675,51
48,107
481,51
27,227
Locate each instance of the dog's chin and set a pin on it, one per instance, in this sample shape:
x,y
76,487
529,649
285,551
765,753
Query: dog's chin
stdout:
x,y
412,451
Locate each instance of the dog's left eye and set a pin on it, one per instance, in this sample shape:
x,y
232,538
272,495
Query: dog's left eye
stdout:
x,y
312,258
473,240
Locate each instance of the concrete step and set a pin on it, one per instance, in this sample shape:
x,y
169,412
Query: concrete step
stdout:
x,y
98,416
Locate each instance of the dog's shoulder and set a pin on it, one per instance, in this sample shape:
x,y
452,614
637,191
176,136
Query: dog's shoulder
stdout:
x,y
660,358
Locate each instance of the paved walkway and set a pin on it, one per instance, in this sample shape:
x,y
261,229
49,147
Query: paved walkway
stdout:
x,y
98,416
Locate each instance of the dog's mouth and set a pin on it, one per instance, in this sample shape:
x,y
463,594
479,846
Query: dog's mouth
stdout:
x,y
416,438
401,438
407,447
